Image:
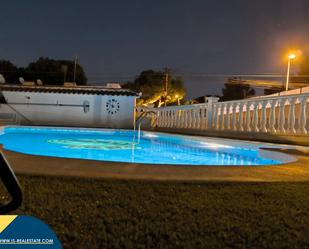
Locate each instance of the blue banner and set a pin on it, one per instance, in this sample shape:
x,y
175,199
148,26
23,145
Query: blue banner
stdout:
x,y
19,231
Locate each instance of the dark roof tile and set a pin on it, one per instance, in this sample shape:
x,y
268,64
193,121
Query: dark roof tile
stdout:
x,y
69,90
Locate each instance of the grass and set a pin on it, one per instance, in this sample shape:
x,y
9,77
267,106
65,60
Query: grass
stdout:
x,y
87,213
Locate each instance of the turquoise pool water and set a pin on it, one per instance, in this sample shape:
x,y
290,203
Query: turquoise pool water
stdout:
x,y
123,146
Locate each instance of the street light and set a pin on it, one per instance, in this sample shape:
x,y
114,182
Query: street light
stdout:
x,y
177,97
290,57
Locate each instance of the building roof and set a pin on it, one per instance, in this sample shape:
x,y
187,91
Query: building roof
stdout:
x,y
89,90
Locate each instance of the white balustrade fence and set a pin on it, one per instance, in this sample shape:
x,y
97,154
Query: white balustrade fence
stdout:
x,y
191,116
275,114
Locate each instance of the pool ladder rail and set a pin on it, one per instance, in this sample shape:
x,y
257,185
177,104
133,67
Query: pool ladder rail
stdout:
x,y
138,122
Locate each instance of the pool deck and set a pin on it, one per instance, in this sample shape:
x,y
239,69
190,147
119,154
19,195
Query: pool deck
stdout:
x,y
52,166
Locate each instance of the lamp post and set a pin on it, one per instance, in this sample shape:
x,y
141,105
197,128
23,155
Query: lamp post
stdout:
x,y
290,57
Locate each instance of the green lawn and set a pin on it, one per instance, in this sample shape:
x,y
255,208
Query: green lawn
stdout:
x,y
137,214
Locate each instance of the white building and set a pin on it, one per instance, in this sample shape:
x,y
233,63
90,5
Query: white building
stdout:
x,y
81,106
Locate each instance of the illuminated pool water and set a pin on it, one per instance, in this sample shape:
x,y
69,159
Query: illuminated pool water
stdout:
x,y
123,146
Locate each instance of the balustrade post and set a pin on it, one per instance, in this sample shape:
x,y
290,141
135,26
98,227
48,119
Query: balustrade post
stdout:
x,y
156,122
194,118
282,115
215,114
180,113
204,122
189,118
272,116
200,123
222,116
174,118
172,113
234,106
185,119
263,118
303,115
248,117
201,118
227,119
197,117
178,119
209,111
167,120
159,118
240,126
164,118
255,116
291,117
182,119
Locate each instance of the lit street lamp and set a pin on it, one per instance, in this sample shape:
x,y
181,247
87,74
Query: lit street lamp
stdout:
x,y
291,57
177,97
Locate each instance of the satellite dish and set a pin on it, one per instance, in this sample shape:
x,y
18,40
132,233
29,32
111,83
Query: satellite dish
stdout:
x,y
21,80
39,82
2,79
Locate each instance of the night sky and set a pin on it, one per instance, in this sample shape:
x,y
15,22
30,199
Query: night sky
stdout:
x,y
116,40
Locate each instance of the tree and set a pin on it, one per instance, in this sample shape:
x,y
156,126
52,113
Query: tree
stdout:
x,y
54,72
51,72
273,90
234,89
152,86
9,71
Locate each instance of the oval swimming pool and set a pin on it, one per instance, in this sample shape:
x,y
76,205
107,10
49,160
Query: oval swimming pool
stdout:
x,y
124,146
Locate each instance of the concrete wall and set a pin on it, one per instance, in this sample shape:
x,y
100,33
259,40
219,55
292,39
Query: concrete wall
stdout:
x,y
70,109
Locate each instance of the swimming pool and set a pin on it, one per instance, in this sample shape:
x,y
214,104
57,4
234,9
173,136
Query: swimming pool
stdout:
x,y
124,146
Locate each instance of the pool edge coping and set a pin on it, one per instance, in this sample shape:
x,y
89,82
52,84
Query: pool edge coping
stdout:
x,y
32,165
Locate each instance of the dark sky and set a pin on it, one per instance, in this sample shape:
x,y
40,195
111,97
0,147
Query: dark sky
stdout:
x,y
119,39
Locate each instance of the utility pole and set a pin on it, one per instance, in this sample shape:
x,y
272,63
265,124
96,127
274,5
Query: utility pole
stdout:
x,y
166,85
64,69
75,63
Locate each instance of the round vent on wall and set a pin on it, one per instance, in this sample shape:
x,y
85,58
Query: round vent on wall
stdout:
x,y
86,106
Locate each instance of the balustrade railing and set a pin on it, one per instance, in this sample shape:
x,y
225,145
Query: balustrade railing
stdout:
x,y
275,114
186,116
278,115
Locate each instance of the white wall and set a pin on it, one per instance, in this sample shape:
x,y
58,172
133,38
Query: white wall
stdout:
x,y
52,114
